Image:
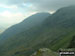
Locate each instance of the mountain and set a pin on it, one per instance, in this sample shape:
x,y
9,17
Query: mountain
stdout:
x,y
55,32
64,28
28,23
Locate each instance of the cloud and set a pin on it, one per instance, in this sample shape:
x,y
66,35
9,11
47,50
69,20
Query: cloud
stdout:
x,y
14,11
7,6
45,5
8,18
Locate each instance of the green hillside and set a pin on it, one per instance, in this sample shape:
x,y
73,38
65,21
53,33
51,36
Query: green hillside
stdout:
x,y
26,24
55,32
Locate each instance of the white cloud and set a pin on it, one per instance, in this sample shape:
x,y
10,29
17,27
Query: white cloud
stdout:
x,y
9,6
11,15
40,5
44,5
9,18
6,14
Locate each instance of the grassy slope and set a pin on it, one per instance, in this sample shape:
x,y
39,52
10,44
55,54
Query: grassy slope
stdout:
x,y
56,34
44,40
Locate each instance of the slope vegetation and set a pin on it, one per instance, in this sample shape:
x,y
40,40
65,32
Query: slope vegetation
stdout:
x,y
54,32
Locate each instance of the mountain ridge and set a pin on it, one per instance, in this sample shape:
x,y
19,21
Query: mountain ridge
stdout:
x,y
54,33
26,24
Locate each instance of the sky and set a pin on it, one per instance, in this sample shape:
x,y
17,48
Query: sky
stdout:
x,y
15,11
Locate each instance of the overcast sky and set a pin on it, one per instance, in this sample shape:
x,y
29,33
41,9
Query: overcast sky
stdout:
x,y
14,11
